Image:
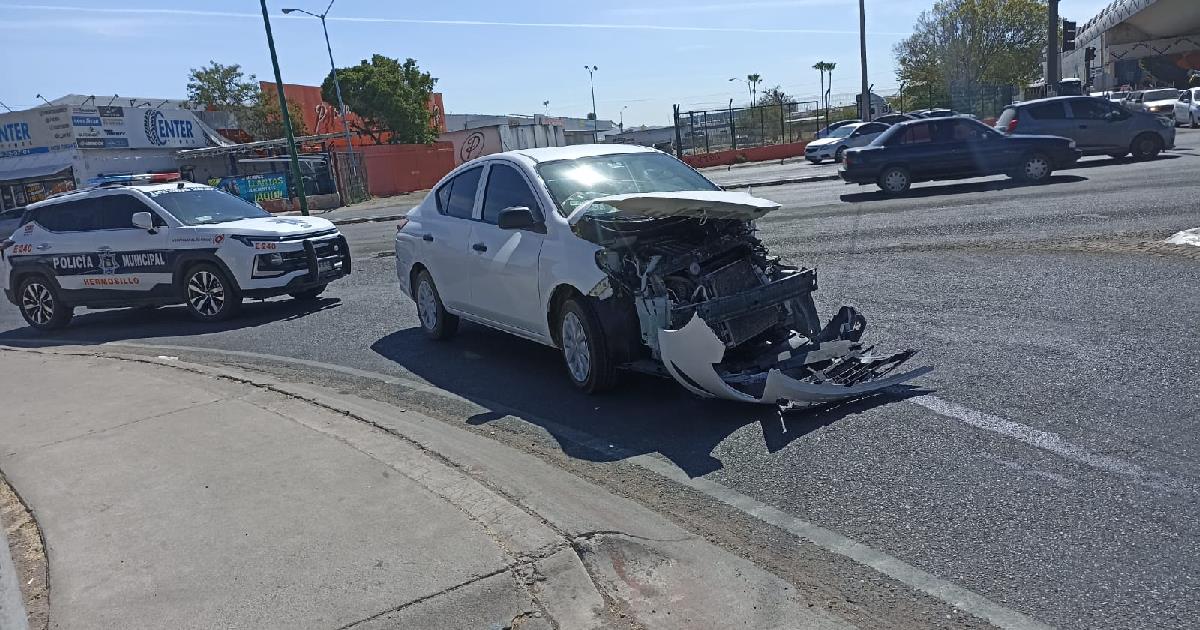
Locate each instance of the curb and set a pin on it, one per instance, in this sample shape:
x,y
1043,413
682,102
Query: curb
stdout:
x,y
781,182
12,606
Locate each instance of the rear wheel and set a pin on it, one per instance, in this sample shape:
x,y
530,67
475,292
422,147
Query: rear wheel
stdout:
x,y
435,321
1035,169
894,180
310,294
1147,146
41,306
584,348
209,295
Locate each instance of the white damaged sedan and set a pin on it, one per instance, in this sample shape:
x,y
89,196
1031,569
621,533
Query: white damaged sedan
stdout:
x,y
626,258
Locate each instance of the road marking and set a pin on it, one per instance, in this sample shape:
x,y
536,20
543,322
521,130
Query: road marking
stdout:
x,y
1045,440
963,599
1186,237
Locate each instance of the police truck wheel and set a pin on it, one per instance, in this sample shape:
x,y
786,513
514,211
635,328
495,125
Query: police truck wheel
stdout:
x,y
209,295
435,321
310,294
41,306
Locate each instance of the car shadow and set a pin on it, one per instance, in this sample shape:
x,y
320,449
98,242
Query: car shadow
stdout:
x,y
103,326
958,189
500,375
1109,161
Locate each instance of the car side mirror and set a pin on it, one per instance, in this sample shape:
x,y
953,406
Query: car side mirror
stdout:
x,y
144,220
519,218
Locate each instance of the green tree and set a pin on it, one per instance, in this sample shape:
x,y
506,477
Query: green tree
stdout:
x,y
961,44
389,98
220,86
262,120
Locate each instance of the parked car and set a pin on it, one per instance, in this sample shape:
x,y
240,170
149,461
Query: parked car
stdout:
x,y
1096,125
1187,108
1117,97
953,148
824,133
935,113
1133,102
1161,102
624,257
842,138
891,119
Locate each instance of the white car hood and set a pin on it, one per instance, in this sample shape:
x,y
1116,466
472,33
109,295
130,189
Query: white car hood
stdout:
x,y
824,142
272,226
712,204
1149,104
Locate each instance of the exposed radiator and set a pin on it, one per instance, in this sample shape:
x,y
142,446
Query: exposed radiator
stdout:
x,y
734,278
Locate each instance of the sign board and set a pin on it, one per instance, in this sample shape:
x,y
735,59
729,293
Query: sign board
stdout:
x,y
35,131
115,127
254,188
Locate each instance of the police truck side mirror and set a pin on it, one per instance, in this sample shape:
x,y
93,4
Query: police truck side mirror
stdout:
x,y
144,221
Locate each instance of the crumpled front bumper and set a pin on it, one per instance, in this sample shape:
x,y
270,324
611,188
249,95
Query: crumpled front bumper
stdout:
x,y
691,354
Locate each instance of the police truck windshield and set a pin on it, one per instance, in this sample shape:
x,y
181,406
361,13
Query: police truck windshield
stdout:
x,y
205,206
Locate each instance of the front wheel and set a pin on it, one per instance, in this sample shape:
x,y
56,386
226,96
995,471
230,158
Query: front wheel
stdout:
x,y
308,295
1147,146
894,180
1036,169
584,349
435,321
209,295
40,305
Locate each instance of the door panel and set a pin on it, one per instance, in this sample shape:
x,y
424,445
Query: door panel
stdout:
x,y
446,235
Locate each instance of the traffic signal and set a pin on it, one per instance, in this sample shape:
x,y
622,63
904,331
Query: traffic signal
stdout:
x,y
1069,31
1089,54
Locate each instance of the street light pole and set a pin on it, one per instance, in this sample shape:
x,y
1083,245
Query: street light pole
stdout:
x,y
623,108
283,111
595,116
862,46
1052,50
337,86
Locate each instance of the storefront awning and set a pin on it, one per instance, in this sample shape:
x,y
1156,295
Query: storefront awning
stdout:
x,y
34,165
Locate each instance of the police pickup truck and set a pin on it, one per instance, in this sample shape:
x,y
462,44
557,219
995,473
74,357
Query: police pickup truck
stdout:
x,y
154,240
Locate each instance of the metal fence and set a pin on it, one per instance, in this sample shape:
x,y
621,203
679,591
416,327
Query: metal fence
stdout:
x,y
982,100
708,131
351,177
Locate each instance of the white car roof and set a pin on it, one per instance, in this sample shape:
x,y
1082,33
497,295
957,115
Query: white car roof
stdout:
x,y
574,152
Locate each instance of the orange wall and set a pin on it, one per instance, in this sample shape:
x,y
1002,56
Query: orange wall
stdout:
x,y
753,154
393,169
321,117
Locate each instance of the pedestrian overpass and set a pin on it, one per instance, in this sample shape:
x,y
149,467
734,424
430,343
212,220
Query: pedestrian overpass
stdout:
x,y
1143,43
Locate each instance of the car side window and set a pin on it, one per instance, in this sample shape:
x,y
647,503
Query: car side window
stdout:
x,y
68,216
1050,110
1089,109
871,128
915,134
460,197
963,131
1185,96
506,188
115,212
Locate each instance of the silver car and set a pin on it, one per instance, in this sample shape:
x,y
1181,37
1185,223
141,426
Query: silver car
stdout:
x,y
1096,125
834,147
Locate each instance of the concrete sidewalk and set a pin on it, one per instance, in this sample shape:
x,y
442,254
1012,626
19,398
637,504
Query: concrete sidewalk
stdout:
x,y
173,495
372,210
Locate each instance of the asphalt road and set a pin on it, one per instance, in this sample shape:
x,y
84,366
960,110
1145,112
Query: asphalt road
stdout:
x,y
1048,463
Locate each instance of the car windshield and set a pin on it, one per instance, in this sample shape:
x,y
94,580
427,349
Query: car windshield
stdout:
x,y
574,182
206,206
842,132
1160,95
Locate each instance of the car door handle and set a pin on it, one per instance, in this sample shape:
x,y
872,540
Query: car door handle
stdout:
x,y
43,246
479,247
428,238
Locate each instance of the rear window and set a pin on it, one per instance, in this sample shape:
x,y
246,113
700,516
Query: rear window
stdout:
x,y
1050,110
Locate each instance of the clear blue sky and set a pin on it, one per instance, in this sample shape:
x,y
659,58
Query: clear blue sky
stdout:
x,y
489,57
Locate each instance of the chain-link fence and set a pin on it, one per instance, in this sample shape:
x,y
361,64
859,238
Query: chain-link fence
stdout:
x,y
708,131
351,177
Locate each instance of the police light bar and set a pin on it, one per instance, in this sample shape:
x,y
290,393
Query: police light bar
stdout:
x,y
142,178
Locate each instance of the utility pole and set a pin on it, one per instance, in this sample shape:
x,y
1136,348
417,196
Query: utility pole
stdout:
x,y
283,110
337,86
1052,50
862,47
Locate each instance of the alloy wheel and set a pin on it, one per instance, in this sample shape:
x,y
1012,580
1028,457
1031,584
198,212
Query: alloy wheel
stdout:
x,y
427,306
206,293
38,303
575,347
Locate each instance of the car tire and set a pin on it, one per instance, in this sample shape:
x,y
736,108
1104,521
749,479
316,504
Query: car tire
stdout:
x,y
310,294
584,348
41,305
209,295
1146,146
839,155
438,324
1036,168
1192,119
894,180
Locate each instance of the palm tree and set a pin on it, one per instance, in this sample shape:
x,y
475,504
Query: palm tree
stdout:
x,y
823,67
752,81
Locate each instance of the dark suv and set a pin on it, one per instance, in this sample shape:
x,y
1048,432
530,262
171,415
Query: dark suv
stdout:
x,y
1097,126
